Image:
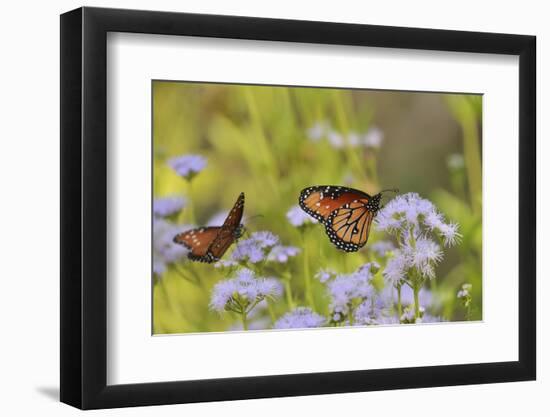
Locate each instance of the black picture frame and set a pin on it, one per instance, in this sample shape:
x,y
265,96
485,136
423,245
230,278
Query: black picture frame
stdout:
x,y
84,207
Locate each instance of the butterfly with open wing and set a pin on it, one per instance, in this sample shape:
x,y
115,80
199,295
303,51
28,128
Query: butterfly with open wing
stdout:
x,y
346,213
209,244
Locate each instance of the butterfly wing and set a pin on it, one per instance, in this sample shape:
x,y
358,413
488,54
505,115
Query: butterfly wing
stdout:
x,y
321,201
198,241
208,244
348,227
229,232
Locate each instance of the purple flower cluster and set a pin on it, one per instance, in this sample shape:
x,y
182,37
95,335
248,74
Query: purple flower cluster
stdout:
x,y
259,247
323,275
425,297
254,249
464,291
299,218
422,255
243,292
414,221
408,317
377,309
465,295
348,290
187,166
372,138
318,131
168,206
300,318
281,254
165,251
409,213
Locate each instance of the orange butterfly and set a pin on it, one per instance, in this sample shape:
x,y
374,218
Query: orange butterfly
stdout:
x,y
209,244
347,213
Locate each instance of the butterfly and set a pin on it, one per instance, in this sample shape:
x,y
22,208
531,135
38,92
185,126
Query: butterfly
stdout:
x,y
346,213
208,244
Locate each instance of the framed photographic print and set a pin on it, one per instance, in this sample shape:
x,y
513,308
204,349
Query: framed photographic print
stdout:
x,y
258,207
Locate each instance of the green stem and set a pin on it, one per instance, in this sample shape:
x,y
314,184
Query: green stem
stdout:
x,y
399,305
472,160
466,116
288,293
372,165
307,275
190,199
343,121
416,304
271,312
243,319
350,316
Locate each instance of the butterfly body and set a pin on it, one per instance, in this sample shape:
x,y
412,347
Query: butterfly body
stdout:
x,y
209,244
345,212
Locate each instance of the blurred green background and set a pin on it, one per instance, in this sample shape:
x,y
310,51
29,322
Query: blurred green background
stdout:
x,y
259,139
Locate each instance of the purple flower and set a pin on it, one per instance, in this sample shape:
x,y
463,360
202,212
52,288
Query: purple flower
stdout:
x,y
347,289
464,291
248,250
244,291
396,268
388,320
425,255
323,130
455,161
373,138
348,179
159,267
368,269
408,315
224,263
410,214
377,309
449,233
425,297
335,139
187,166
465,295
323,275
165,251
281,253
428,318
318,131
414,220
368,313
167,206
255,248
298,218
382,247
265,239
300,318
